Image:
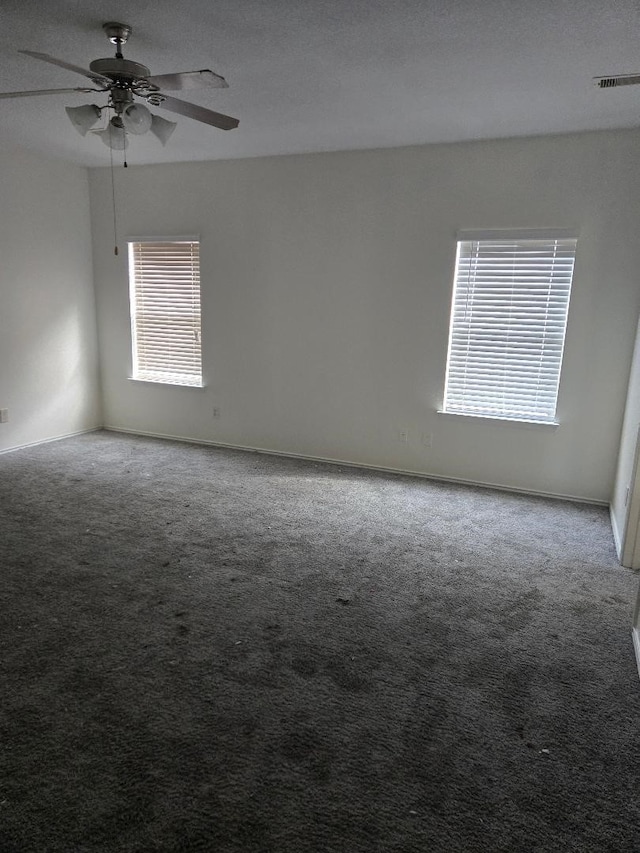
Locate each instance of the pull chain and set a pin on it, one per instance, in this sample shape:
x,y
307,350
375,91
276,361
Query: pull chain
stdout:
x,y
113,201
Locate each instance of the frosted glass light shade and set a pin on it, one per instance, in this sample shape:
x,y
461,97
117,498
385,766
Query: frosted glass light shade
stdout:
x,y
113,137
83,118
136,119
162,129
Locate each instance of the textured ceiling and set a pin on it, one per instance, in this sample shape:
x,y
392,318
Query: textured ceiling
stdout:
x,y
324,75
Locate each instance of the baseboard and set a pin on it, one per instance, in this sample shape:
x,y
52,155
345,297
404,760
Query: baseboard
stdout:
x,y
636,646
348,464
617,539
49,440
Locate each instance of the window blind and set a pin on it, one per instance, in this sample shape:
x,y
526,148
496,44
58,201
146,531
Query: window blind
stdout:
x,y
508,321
165,311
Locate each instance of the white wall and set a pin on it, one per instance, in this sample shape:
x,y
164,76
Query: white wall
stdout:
x,y
625,498
326,292
48,349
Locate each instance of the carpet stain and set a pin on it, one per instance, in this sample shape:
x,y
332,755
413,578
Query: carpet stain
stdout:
x,y
346,676
300,743
305,667
520,612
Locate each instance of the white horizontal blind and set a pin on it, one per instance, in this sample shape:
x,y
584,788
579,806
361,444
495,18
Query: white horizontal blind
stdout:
x,y
508,321
165,311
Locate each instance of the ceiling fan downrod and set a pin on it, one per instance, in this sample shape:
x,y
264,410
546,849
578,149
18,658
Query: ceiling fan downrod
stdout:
x,y
124,73
117,34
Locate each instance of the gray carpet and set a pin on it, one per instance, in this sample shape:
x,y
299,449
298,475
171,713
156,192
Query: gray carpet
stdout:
x,y
211,650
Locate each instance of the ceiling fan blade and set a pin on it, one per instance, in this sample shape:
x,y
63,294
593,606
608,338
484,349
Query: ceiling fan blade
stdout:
x,y
619,80
42,92
189,80
198,113
97,78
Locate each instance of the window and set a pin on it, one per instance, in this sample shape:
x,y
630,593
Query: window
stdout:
x,y
164,281
508,321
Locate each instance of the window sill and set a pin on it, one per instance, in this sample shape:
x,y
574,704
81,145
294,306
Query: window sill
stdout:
x,y
166,383
494,419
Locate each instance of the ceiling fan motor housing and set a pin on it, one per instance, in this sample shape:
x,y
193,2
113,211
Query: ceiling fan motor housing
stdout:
x,y
123,72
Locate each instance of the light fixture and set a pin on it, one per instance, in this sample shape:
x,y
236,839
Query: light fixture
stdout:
x,y
83,118
161,128
114,135
136,119
130,118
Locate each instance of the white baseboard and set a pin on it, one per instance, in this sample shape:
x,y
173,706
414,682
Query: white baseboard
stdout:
x,y
49,440
617,539
636,646
347,464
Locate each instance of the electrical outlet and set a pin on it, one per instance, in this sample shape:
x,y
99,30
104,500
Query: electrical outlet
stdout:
x,y
4,416
216,412
427,439
403,436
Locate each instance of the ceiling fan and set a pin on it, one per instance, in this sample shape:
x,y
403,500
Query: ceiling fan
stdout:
x,y
123,80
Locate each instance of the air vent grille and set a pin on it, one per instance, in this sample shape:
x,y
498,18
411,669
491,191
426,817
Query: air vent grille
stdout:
x,y
623,80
